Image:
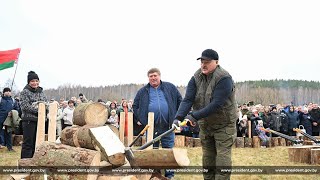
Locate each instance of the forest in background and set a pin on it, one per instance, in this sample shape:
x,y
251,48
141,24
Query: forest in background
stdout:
x,y
261,92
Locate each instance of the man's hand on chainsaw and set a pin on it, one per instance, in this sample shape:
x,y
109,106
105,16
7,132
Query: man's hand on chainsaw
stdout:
x,y
176,123
191,121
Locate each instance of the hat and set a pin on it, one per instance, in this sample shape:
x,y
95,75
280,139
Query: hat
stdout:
x,y
32,75
80,94
209,54
113,111
6,90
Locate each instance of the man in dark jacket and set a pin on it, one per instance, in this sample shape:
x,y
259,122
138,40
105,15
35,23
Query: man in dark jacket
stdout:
x,y
211,93
293,120
162,98
315,114
6,105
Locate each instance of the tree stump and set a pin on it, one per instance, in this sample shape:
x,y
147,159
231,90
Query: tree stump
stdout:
x,y
197,142
189,141
315,156
282,142
179,141
256,142
274,141
240,142
288,142
91,114
301,154
248,142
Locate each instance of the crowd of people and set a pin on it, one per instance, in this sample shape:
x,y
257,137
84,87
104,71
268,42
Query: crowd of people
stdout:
x,y
280,118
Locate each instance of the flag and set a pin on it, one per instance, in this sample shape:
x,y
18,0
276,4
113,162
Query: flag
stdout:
x,y
9,58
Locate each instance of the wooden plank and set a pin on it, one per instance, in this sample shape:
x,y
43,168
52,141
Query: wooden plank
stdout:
x,y
151,128
53,110
130,128
249,128
121,127
41,124
256,142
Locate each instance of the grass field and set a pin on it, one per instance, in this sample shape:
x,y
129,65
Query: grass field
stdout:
x,y
240,156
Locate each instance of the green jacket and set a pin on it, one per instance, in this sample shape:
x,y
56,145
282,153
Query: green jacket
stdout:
x,y
12,121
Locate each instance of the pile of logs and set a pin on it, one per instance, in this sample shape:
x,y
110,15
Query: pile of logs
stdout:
x,y
92,144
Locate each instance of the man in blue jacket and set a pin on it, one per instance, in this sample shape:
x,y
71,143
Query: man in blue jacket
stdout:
x,y
161,98
6,105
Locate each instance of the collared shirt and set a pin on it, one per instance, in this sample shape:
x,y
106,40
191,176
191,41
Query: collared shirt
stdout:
x,y
158,104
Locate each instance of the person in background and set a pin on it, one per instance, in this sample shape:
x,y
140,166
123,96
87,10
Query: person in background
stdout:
x,y
293,120
315,114
113,119
31,94
163,99
11,122
6,105
124,108
306,120
68,114
83,98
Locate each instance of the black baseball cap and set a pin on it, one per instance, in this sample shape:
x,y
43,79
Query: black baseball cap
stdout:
x,y
209,54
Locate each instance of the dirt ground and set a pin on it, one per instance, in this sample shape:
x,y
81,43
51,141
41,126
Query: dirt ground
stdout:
x,y
277,156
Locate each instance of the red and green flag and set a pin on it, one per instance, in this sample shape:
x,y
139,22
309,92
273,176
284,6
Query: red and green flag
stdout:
x,y
9,58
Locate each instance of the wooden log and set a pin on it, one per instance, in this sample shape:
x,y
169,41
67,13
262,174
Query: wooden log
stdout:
x,y
189,141
82,136
301,154
143,140
256,142
53,110
248,142
197,142
315,156
239,142
41,124
282,142
91,114
26,162
150,130
173,158
52,154
274,141
288,142
66,136
179,141
112,149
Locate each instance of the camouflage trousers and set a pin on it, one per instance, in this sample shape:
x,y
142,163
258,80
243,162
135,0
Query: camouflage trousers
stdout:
x,y
216,148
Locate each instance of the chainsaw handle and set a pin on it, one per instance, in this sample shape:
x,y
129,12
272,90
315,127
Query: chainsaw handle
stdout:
x,y
144,129
297,130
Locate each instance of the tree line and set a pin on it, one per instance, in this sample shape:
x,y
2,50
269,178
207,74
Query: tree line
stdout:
x,y
261,91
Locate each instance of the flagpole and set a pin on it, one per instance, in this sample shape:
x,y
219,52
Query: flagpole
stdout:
x,y
15,71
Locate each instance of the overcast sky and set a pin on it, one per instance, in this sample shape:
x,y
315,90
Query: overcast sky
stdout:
x,y
95,43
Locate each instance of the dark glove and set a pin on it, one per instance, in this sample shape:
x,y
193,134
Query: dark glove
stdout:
x,y
192,121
